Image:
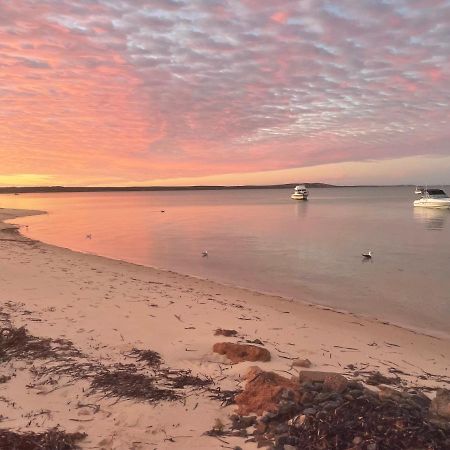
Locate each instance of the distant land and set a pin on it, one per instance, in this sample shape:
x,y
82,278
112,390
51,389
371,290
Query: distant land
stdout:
x,y
57,189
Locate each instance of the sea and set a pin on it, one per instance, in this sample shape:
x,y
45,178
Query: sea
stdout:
x,y
262,240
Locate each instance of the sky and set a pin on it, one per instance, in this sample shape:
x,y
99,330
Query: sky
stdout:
x,y
165,92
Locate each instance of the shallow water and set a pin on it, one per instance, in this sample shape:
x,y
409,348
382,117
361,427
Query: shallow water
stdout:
x,y
263,240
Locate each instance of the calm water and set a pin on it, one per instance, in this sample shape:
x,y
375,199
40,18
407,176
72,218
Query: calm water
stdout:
x,y
263,240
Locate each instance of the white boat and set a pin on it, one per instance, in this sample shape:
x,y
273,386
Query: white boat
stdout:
x,y
433,198
419,190
300,193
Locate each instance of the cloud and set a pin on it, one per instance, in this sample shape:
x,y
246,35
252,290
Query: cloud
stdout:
x,y
169,88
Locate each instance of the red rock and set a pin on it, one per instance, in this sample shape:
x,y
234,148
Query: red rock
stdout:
x,y
241,352
263,391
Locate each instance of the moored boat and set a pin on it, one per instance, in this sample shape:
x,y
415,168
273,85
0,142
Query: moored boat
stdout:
x,y
419,190
300,193
433,198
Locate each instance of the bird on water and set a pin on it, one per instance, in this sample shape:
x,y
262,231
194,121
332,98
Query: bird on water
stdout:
x,y
205,253
367,255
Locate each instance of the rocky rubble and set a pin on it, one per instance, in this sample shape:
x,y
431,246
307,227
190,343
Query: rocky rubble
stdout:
x,y
324,411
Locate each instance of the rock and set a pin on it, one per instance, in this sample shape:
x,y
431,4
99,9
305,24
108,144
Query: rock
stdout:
x,y
440,405
224,332
332,381
330,406
241,422
297,421
307,397
420,399
263,392
389,393
241,352
335,383
301,363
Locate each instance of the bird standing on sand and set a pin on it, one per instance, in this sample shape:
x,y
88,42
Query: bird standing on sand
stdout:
x,y
205,253
367,255
89,236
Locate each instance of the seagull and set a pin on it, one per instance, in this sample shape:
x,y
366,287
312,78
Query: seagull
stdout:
x,y
205,253
89,236
367,255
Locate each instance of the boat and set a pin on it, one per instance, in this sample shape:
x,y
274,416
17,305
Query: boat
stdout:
x,y
433,198
300,193
419,190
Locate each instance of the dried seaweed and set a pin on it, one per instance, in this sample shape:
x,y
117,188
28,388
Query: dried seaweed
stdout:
x,y
4,378
18,343
53,439
226,397
180,379
384,425
355,419
376,378
124,382
153,359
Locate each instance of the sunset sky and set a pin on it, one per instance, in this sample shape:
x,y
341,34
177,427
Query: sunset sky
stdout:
x,y
130,92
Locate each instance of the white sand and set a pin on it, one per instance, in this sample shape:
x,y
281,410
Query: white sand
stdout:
x,y
108,307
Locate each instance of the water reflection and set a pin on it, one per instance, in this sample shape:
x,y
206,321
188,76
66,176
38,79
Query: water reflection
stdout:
x,y
301,208
432,218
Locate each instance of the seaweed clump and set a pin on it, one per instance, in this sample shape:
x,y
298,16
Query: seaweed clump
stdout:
x,y
53,439
124,382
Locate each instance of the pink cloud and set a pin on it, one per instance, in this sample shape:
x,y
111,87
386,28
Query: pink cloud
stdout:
x,y
174,88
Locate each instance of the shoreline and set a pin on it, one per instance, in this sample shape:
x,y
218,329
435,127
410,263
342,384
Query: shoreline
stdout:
x,y
437,334
107,307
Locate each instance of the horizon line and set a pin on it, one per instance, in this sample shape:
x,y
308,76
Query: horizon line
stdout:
x,y
62,188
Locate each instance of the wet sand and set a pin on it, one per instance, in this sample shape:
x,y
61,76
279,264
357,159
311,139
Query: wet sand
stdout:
x,y
106,308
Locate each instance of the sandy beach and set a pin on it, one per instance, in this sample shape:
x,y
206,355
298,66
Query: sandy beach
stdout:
x,y
107,308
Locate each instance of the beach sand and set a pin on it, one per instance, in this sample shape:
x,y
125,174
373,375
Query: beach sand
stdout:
x,y
106,308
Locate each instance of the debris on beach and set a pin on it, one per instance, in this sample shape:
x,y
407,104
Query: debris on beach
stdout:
x,y
241,352
180,379
53,439
377,378
299,362
18,343
324,413
153,359
124,382
4,378
226,397
225,332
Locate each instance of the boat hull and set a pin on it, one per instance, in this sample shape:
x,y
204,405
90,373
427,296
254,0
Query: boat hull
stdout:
x,y
433,203
299,196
